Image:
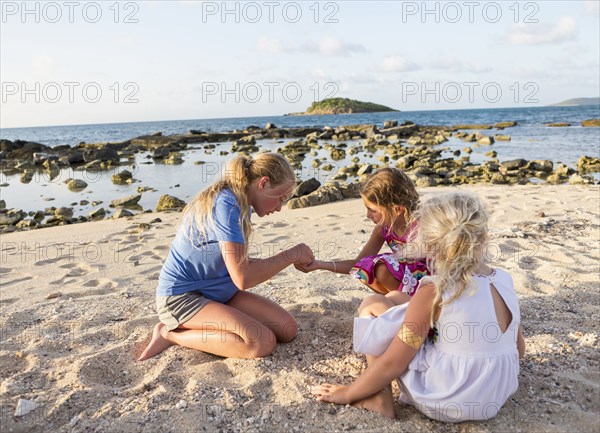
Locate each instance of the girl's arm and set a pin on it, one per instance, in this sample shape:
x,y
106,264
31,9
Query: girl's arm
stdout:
x,y
394,360
248,272
371,248
520,343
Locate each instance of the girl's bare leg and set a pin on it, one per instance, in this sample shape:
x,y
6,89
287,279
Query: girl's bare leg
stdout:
x,y
270,314
382,402
384,282
375,305
218,329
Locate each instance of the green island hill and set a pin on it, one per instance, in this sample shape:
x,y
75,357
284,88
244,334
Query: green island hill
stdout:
x,y
342,106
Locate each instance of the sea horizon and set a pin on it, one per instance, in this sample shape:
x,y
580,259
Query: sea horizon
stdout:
x,y
293,115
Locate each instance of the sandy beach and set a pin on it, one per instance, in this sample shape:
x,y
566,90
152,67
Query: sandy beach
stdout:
x,y
77,306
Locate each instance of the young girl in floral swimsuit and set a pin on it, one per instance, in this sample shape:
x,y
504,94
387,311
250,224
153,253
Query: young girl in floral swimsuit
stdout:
x,y
390,198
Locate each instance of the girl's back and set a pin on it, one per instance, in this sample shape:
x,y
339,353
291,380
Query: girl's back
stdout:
x,y
471,366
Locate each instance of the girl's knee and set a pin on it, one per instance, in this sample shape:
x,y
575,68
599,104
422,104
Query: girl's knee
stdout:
x,y
289,331
262,346
367,302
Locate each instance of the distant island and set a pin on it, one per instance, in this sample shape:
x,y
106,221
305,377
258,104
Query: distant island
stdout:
x,y
578,101
342,106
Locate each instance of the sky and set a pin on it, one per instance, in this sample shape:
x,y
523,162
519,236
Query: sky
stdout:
x,y
84,62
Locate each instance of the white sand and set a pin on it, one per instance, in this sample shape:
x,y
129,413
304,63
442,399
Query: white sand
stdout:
x,y
75,354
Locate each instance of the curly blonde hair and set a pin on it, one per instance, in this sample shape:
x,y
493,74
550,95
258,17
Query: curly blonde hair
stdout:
x,y
453,230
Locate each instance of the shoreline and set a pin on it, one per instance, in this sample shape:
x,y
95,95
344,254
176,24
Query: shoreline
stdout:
x,y
335,157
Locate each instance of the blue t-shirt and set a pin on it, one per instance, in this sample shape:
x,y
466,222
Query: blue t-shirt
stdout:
x,y
196,263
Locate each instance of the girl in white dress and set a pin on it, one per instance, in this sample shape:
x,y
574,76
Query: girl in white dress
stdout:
x,y
455,347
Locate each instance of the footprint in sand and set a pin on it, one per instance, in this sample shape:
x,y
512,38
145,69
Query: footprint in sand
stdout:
x,y
5,271
15,281
115,368
103,286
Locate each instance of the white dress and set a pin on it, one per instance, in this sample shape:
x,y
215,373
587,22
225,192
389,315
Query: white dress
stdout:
x,y
472,368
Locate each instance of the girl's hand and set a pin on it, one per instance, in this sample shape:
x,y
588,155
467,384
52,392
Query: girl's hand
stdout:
x,y
316,264
331,393
301,254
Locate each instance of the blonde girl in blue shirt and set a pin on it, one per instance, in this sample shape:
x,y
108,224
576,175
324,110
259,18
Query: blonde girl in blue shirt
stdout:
x,y
202,298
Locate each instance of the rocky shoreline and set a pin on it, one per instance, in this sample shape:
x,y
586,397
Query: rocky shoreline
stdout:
x,y
416,149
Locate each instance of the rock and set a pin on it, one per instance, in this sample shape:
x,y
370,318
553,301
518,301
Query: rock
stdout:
x,y
54,295
27,177
306,187
25,406
167,202
75,158
588,164
508,124
196,132
467,150
513,164
577,179
95,165
540,165
414,141
97,213
121,213
485,140
499,137
25,224
66,213
590,123
174,158
77,185
104,154
541,214
40,157
491,153
364,169
327,167
390,124
126,201
2,204
475,126
270,126
162,152
122,178
142,189
181,404
338,154
499,179
12,217
558,124
326,194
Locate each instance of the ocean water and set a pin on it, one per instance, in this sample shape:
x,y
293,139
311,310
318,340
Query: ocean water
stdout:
x,y
531,139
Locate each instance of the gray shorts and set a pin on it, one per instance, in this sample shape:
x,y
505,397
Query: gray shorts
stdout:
x,y
177,309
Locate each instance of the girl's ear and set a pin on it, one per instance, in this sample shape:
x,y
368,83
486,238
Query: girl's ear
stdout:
x,y
399,209
263,182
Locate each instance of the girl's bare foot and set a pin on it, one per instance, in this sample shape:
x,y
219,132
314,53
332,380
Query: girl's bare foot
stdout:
x,y
158,343
382,403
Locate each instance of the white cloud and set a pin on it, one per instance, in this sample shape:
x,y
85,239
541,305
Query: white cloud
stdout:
x,y
478,68
269,45
334,47
529,34
398,64
451,64
592,7
327,46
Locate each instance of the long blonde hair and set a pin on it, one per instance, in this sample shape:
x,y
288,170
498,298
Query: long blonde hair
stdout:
x,y
240,172
453,230
389,187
